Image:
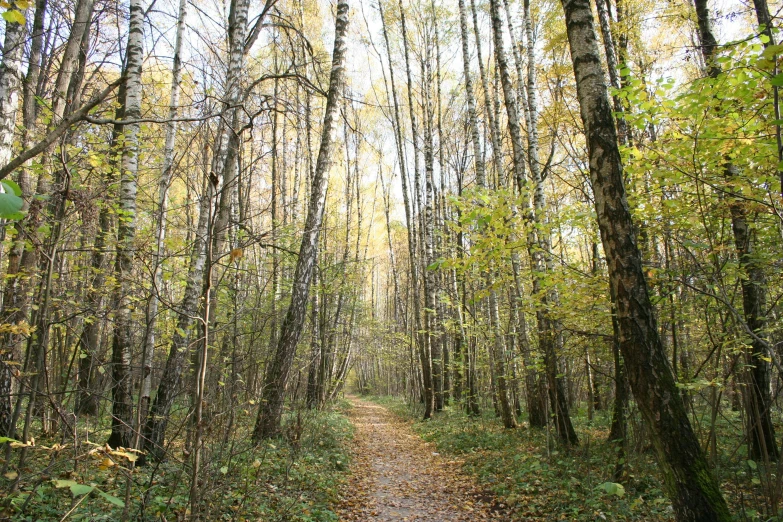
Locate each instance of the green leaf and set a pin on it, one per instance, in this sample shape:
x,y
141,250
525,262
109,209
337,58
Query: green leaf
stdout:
x,y
777,80
11,187
64,483
612,488
3,440
110,498
772,50
224,470
12,16
10,205
752,464
78,490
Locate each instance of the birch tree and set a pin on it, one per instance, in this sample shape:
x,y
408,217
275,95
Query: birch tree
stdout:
x,y
688,480
270,409
122,398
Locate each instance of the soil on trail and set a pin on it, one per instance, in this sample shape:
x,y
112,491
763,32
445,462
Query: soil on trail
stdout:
x,y
396,476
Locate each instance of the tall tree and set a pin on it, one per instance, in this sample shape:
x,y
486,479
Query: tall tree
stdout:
x,y
761,432
10,81
122,398
157,420
538,240
687,477
270,410
164,182
498,355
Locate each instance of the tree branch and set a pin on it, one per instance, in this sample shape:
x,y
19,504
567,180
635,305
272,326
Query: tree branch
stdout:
x,y
62,128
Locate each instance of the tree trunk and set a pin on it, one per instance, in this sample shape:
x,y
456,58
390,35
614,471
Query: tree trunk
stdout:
x,y
425,356
155,427
121,391
312,398
270,410
761,432
222,160
10,81
687,478
166,173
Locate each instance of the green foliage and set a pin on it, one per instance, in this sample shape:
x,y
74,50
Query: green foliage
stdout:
x,y
612,488
542,484
78,490
10,201
293,479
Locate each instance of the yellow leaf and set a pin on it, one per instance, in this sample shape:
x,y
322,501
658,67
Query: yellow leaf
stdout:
x,y
11,475
13,16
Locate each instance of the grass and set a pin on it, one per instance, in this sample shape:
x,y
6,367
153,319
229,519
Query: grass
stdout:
x,y
539,480
295,478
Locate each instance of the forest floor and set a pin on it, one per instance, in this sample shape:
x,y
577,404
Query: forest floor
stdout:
x,y
396,476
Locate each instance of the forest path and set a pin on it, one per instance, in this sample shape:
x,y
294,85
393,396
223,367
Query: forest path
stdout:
x,y
396,476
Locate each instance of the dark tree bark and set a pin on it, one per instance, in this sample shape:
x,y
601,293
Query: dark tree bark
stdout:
x,y
687,478
760,430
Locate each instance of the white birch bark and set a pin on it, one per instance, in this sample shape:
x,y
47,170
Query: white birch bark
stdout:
x,y
164,182
10,81
122,399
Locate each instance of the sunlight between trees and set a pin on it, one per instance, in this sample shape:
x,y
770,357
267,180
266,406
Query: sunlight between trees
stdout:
x,y
217,215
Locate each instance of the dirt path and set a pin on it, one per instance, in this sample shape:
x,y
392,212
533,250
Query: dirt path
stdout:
x,y
396,476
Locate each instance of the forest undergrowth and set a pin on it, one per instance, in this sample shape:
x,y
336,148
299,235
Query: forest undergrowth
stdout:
x,y
540,480
294,478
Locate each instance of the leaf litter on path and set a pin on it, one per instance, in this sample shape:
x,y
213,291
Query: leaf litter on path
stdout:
x,y
396,476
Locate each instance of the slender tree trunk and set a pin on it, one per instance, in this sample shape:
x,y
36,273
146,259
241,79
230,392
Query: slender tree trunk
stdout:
x,y
498,340
270,410
687,478
222,167
430,277
605,19
122,399
475,136
167,171
409,210
422,340
399,312
90,338
312,398
10,81
761,432
155,427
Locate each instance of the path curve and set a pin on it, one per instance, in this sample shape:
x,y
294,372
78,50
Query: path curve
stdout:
x,y
396,476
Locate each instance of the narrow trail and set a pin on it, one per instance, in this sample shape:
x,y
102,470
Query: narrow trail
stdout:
x,y
397,476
